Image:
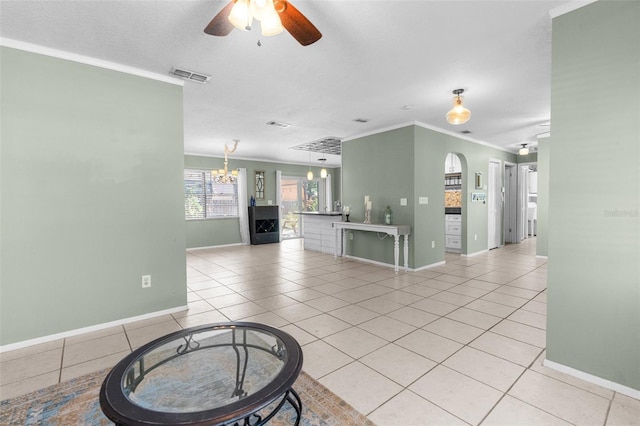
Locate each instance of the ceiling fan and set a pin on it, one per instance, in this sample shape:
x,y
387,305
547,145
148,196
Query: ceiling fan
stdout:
x,y
273,14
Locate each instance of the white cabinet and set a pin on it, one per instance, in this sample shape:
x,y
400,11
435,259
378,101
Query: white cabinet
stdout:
x,y
453,232
452,164
318,232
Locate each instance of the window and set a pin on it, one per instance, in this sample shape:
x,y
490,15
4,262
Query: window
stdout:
x,y
205,199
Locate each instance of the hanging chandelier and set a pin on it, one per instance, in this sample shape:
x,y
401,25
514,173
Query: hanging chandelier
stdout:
x,y
458,114
223,175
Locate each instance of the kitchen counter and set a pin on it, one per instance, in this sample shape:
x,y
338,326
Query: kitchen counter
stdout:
x,y
320,213
317,230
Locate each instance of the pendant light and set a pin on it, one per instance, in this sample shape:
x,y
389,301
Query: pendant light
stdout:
x,y
458,114
309,173
524,150
323,171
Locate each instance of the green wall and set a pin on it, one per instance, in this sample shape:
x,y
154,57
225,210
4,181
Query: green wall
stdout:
x,y
409,163
380,166
542,239
92,196
594,192
216,232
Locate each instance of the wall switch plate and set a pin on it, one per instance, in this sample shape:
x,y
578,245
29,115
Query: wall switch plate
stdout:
x,y
433,244
270,202
351,235
146,281
423,200
403,201
475,237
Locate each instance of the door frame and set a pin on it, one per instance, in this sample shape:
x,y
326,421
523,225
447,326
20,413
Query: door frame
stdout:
x,y
495,199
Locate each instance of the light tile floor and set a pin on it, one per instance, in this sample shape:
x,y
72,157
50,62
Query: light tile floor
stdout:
x,y
461,343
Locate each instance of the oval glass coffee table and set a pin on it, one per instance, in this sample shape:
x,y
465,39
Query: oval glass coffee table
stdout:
x,y
226,374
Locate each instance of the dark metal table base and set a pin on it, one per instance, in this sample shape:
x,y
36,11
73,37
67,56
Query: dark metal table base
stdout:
x,y
295,402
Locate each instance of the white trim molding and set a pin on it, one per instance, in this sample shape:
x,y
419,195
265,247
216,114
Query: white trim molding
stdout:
x,y
475,253
97,327
425,126
432,265
214,247
389,265
569,7
61,54
616,387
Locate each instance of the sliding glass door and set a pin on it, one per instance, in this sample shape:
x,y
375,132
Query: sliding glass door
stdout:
x,y
297,195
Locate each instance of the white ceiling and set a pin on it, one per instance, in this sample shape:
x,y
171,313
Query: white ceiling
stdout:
x,y
374,58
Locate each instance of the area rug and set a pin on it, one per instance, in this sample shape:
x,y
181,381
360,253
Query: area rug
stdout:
x,y
76,403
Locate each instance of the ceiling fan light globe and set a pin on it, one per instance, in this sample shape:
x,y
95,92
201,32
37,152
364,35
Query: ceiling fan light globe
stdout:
x,y
524,151
240,15
261,7
271,24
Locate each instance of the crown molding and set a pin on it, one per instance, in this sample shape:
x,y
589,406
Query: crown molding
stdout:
x,y
569,7
61,54
429,127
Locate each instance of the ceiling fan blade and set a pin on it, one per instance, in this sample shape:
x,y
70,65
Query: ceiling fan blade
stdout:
x,y
220,25
296,23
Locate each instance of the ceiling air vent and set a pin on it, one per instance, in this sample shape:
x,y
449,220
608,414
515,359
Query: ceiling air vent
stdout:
x,y
361,120
278,124
190,75
465,132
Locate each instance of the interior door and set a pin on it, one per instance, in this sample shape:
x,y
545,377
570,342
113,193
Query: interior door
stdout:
x,y
522,203
495,204
510,196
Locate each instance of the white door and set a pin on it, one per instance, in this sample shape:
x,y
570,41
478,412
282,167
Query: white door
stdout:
x,y
522,204
510,196
495,204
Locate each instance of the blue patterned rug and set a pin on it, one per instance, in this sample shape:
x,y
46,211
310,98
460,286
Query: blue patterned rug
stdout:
x,y
76,403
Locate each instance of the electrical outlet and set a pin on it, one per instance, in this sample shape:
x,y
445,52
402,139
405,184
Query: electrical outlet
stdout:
x,y
433,244
351,235
146,281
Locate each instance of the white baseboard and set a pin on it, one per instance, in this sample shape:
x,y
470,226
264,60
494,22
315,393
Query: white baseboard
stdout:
x,y
475,253
375,262
97,327
616,387
432,265
389,265
213,247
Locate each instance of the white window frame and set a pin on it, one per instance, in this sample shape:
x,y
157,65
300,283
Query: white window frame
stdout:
x,y
214,200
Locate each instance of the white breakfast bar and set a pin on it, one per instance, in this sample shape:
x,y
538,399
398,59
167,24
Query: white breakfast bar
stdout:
x,y
393,230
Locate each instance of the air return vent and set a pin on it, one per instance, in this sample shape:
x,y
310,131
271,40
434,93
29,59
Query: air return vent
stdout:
x,y
189,75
